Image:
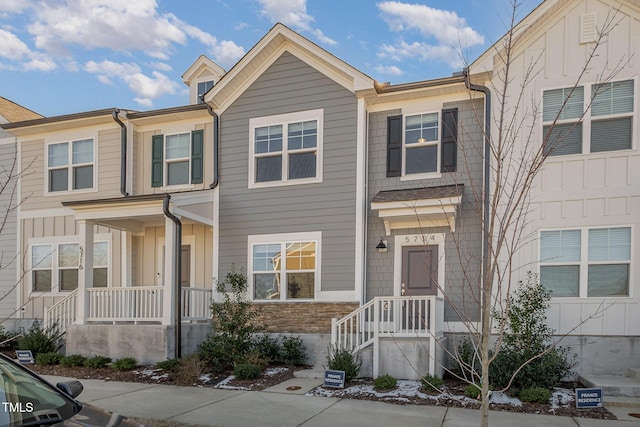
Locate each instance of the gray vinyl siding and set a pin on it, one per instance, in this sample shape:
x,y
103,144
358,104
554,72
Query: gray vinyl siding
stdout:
x,y
464,247
289,86
107,172
8,243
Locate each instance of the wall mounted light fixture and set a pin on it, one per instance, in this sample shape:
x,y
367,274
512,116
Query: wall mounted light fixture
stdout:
x,y
382,245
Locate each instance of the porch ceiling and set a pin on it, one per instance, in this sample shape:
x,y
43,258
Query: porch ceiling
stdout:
x,y
418,207
133,213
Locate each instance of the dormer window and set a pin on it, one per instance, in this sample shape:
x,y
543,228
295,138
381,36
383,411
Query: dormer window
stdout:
x,y
203,87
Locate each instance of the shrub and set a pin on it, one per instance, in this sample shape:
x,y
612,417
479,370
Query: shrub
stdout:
x,y
246,371
342,359
169,365
48,359
8,339
385,382
97,362
527,344
535,395
266,347
465,361
472,391
189,370
125,364
232,321
39,340
431,383
294,351
72,361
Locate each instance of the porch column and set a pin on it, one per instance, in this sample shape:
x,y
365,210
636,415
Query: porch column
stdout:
x,y
169,286
85,270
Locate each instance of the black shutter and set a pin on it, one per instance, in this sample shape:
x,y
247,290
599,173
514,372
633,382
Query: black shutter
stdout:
x,y
394,146
449,140
157,160
197,138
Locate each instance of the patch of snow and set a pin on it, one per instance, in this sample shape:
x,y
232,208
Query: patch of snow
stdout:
x,y
206,378
499,397
274,371
562,397
224,384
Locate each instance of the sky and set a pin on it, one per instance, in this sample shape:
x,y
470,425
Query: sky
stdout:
x,y
68,56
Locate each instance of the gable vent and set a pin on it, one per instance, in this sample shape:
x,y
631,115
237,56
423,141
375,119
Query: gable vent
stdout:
x,y
588,31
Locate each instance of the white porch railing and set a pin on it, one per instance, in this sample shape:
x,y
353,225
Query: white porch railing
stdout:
x,y
62,313
415,316
136,303
196,304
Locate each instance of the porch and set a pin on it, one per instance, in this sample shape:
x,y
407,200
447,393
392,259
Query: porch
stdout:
x,y
394,332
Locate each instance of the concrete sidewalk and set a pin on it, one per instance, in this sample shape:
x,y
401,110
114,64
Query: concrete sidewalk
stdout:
x,y
281,407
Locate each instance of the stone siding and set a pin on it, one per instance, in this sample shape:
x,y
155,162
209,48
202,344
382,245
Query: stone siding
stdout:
x,y
301,318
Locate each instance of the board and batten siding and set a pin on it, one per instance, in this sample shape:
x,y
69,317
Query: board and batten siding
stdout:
x,y
8,243
106,173
289,85
464,247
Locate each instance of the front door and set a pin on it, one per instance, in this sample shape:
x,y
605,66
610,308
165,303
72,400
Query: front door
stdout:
x,y
419,278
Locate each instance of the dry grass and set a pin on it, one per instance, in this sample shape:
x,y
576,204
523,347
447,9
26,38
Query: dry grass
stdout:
x,y
165,423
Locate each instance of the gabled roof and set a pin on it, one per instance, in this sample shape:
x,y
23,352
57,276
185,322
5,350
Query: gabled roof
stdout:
x,y
13,112
200,65
278,40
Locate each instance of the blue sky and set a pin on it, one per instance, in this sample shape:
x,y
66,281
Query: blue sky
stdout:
x,y
67,56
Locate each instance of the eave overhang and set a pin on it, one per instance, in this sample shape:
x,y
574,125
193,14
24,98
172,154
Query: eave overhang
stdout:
x,y
419,207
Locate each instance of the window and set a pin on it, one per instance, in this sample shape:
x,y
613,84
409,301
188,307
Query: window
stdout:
x,y
284,270
606,126
55,267
177,159
203,87
422,144
286,149
70,165
586,262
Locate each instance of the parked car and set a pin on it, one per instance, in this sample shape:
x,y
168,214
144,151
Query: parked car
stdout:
x,y
28,400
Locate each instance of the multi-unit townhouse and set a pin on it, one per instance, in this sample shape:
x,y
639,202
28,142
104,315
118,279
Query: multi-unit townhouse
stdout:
x,y
10,202
354,207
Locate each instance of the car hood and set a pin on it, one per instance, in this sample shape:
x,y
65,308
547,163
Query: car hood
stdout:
x,y
92,416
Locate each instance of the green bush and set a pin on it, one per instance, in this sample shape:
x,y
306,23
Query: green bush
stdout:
x,y
535,395
246,371
41,340
97,362
466,361
528,342
8,339
342,359
233,329
385,382
48,359
125,364
294,351
267,347
472,391
72,360
169,365
431,383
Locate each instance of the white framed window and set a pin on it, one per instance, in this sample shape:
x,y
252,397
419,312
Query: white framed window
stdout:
x,y
286,149
606,126
285,266
70,165
203,87
178,158
589,262
421,144
55,266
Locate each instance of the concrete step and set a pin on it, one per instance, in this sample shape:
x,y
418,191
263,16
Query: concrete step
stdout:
x,y
613,385
634,373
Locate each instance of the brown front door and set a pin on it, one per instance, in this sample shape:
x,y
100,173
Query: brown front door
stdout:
x,y
419,277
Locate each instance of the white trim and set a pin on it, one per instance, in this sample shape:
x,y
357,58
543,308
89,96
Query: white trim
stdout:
x,y
282,239
361,202
215,268
335,296
404,176
166,161
70,166
284,120
45,213
20,261
418,240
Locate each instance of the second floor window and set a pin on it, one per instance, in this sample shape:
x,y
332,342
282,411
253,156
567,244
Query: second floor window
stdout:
x,y
286,149
203,87
70,165
570,127
177,159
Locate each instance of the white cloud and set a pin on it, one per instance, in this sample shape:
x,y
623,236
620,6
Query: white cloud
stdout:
x,y
390,70
11,47
40,62
225,52
293,13
13,6
448,34
147,88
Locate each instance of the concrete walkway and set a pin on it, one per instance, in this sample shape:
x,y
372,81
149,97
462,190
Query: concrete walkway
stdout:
x,y
281,407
